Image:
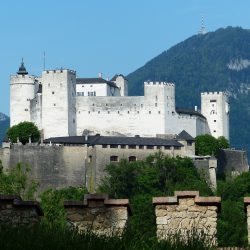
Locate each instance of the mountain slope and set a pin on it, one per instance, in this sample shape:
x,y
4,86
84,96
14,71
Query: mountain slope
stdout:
x,y
4,125
216,61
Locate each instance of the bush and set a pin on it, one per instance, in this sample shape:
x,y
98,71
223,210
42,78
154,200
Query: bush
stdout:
x,y
24,131
208,145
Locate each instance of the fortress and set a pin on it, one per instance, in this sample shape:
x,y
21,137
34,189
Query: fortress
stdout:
x,y
62,105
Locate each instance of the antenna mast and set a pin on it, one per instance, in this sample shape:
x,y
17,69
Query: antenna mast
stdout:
x,y
44,60
203,30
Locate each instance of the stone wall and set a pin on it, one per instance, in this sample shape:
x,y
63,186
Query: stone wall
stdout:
x,y
186,212
232,162
99,214
16,212
52,166
247,209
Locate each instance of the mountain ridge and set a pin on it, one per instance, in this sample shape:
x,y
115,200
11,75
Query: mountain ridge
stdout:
x,y
216,61
4,125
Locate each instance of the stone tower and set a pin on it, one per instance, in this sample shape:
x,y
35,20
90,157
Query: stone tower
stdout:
x,y
122,83
215,107
22,90
59,103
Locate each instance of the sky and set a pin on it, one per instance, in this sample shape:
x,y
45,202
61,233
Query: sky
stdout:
x,y
108,36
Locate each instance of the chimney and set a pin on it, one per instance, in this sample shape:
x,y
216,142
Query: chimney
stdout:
x,y
29,139
100,75
86,137
195,108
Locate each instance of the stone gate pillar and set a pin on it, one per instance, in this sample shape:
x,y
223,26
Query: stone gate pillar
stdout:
x,y
247,209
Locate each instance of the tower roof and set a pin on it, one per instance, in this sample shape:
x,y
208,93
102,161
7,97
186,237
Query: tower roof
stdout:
x,y
22,69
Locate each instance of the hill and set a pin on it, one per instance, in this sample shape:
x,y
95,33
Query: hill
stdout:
x,y
216,61
4,125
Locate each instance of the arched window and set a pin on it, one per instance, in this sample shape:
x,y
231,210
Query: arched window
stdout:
x,y
132,158
90,159
113,158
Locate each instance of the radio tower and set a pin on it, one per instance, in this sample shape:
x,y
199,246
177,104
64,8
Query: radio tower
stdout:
x,y
202,31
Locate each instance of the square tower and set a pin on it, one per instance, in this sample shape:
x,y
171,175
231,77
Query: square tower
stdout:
x,y
59,103
215,107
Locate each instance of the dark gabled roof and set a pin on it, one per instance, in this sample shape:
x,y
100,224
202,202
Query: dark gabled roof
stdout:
x,y
96,80
113,140
189,112
184,135
115,76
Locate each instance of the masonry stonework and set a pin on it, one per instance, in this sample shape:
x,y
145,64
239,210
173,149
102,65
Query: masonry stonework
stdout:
x,y
16,212
99,214
187,212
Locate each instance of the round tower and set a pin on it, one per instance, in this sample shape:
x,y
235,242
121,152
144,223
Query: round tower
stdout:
x,y
22,90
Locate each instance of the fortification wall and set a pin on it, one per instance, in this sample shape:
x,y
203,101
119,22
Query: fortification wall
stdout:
x,y
15,212
99,214
232,162
52,166
185,213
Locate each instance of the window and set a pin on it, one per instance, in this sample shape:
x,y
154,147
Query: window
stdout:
x,y
155,104
158,147
132,146
121,104
74,120
159,112
53,92
104,146
113,146
167,147
214,131
141,147
89,112
82,93
214,120
108,112
123,146
189,143
26,110
150,147
90,159
128,112
79,112
132,158
92,93
177,148
142,105
118,112
98,112
149,112
48,84
113,158
54,104
138,112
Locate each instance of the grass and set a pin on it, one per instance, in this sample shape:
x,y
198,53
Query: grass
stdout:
x,y
54,238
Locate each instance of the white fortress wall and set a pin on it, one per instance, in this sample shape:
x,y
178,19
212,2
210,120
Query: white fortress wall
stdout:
x,y
71,82
215,107
22,90
119,116
58,101
36,110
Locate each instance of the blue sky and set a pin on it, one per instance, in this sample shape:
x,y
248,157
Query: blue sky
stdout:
x,y
108,36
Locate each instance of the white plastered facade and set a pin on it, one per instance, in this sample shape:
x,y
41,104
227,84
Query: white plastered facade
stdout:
x,y
59,111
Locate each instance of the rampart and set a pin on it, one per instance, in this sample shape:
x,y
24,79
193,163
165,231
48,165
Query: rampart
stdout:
x,y
52,166
99,214
16,212
185,213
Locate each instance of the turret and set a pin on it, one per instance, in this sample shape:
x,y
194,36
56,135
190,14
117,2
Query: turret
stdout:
x,y
215,107
22,90
122,83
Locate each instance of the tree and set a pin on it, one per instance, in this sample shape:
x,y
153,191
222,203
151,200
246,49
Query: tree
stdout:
x,y
209,145
17,182
24,131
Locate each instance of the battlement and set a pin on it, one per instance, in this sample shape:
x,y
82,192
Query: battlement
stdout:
x,y
54,71
214,93
159,83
